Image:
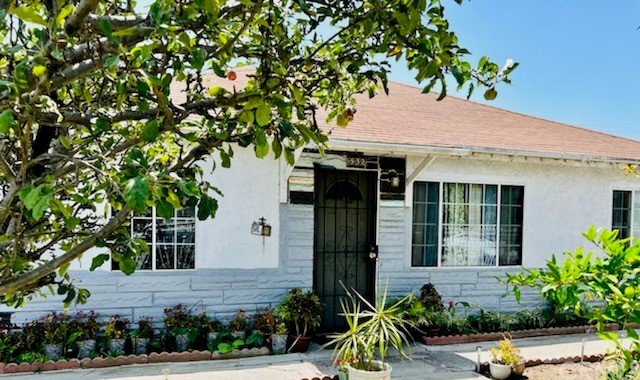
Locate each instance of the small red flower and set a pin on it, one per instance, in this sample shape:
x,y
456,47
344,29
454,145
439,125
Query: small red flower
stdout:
x,y
451,303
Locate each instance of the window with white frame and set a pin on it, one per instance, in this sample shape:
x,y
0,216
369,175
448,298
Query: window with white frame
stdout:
x,y
464,224
171,241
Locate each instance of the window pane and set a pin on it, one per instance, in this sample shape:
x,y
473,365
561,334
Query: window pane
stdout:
x,y
511,207
144,260
621,215
142,229
469,224
165,256
187,212
185,231
165,230
186,256
424,250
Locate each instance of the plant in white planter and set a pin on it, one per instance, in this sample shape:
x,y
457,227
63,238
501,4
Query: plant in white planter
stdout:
x,y
372,329
85,327
505,360
116,332
142,335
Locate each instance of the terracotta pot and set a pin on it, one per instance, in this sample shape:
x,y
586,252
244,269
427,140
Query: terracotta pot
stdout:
x,y
518,369
499,371
384,372
299,343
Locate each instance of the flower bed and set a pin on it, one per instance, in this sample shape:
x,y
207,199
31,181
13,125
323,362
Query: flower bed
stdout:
x,y
154,357
484,337
84,340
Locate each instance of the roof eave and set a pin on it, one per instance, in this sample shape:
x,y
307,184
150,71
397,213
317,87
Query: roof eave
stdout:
x,y
418,150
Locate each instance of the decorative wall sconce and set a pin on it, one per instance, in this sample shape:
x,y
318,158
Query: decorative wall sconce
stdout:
x,y
393,178
261,227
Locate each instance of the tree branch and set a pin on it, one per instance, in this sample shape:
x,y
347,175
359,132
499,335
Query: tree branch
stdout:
x,y
75,19
25,281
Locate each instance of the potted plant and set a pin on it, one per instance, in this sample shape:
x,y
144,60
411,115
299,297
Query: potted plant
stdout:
x,y
142,335
116,332
87,328
210,327
55,333
265,322
372,329
181,325
301,311
279,337
505,360
238,325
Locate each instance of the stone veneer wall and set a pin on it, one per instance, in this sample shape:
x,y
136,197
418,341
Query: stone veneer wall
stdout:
x,y
221,292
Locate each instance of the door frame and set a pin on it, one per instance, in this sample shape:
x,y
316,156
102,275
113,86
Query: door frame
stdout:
x,y
375,206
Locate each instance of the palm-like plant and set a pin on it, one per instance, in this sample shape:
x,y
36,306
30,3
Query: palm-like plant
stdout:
x,y
372,330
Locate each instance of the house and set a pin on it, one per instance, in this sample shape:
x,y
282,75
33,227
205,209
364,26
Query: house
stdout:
x,y
413,191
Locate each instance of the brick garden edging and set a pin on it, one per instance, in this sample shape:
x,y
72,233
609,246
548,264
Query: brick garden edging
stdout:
x,y
471,338
154,357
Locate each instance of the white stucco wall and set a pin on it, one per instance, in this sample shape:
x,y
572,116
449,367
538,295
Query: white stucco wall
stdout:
x,y
560,200
251,190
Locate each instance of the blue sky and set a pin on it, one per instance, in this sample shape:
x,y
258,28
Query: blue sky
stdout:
x,y
579,60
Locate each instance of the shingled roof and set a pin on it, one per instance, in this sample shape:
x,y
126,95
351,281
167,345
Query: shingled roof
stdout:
x,y
408,118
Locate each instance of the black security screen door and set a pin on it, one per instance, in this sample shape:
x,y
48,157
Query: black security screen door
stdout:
x,y
345,214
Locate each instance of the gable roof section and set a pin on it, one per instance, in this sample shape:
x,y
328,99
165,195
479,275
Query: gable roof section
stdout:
x,y
409,119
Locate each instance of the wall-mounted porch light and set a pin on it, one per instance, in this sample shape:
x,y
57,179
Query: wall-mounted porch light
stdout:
x,y
393,178
261,227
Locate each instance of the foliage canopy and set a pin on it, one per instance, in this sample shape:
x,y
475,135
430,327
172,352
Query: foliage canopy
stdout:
x,y
88,116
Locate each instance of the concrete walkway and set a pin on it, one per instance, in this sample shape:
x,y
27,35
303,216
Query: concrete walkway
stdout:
x,y
455,362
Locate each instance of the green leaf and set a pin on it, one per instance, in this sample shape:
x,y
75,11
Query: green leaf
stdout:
x,y
276,146
150,131
136,193
225,159
127,265
6,121
29,14
105,26
62,271
98,261
164,209
39,70
64,12
111,62
263,115
207,207
198,57
174,200
262,150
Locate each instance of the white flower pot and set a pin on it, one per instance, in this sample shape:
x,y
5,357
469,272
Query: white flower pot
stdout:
x,y
140,346
53,351
278,343
383,374
85,347
499,371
